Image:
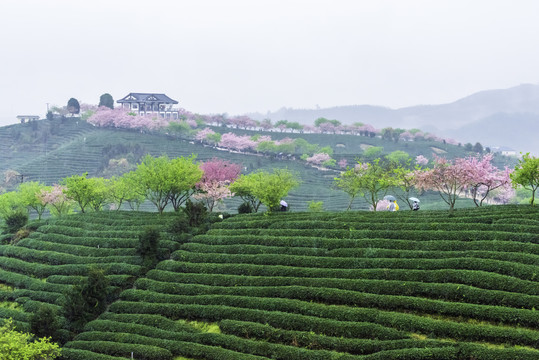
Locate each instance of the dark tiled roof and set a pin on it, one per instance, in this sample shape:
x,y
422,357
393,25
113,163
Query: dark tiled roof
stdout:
x,y
146,97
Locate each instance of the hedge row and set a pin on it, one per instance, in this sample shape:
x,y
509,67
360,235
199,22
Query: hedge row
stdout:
x,y
479,279
425,235
150,320
521,271
74,249
79,354
450,225
114,348
184,348
78,232
44,296
92,241
444,291
96,330
58,258
290,321
43,271
333,244
522,258
17,315
29,282
114,280
350,298
219,307
309,340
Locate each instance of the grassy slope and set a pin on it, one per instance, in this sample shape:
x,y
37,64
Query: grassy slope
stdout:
x,y
350,285
48,151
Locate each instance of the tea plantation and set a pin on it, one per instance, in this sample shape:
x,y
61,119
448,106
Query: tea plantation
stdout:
x,y
328,285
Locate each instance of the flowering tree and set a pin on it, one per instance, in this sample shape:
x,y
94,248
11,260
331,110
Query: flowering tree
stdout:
x,y
212,193
318,158
486,177
59,204
526,174
217,176
233,141
421,160
343,163
449,179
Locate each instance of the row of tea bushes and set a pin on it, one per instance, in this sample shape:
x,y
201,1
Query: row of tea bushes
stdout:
x,y
313,286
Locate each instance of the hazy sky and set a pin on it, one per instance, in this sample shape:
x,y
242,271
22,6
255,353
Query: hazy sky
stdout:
x,y
239,56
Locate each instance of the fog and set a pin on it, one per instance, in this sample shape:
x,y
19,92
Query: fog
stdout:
x,y
239,56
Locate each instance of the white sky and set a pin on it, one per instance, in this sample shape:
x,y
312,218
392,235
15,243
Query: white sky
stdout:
x,y
239,56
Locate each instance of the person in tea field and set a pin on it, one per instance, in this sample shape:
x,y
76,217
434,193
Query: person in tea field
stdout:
x,y
415,206
393,206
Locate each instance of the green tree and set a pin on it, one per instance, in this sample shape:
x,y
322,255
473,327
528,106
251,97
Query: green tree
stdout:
x,y
167,181
85,191
29,193
370,180
94,291
148,245
123,189
373,152
398,157
245,187
526,174
106,100
73,106
16,345
45,322
10,203
405,180
478,148
265,188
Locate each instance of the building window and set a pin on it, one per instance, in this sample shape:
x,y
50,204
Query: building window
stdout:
x,y
134,106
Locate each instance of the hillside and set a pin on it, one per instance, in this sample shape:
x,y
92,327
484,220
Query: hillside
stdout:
x,y
349,285
453,119
48,151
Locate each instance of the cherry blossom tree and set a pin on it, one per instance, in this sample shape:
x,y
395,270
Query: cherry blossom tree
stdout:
x,y
203,134
213,187
58,202
343,163
318,158
421,160
235,142
486,177
448,178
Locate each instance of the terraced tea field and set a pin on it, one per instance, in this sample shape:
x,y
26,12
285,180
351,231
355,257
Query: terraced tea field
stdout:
x,y
349,285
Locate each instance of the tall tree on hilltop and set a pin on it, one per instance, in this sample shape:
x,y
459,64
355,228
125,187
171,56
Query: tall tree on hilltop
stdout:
x,y
106,100
73,106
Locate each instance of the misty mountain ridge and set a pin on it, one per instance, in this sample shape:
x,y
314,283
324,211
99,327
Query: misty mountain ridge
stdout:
x,y
501,117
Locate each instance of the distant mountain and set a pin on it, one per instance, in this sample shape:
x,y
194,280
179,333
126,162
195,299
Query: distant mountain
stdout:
x,y
518,104
519,131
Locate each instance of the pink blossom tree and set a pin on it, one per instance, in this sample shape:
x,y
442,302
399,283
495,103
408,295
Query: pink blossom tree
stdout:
x,y
486,177
318,158
343,163
235,142
217,176
203,134
449,179
56,199
421,160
